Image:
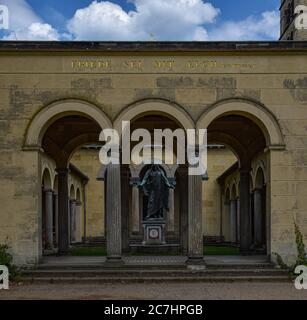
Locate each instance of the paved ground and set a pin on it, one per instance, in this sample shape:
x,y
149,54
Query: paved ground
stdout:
x,y
152,291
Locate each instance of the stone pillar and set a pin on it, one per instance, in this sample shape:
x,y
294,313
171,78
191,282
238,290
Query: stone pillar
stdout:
x,y
245,223
78,220
233,220
63,210
113,211
195,234
171,212
56,219
257,218
238,221
72,221
49,218
226,220
135,205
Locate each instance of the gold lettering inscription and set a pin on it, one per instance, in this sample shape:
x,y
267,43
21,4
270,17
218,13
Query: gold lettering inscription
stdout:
x,y
91,64
133,65
164,64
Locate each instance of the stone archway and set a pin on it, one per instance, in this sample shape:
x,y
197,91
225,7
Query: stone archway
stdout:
x,y
54,111
250,129
51,121
256,112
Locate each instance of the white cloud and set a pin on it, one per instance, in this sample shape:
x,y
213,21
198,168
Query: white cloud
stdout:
x,y
165,20
252,28
21,14
36,31
185,20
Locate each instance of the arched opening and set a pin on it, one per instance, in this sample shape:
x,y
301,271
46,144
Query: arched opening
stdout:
x,y
63,136
247,141
135,206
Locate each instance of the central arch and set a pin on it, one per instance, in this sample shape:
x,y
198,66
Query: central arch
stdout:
x,y
141,108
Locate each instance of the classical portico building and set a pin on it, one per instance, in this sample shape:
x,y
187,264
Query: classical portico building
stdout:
x,y
56,98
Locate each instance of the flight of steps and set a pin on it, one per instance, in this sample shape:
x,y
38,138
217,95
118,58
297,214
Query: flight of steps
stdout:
x,y
155,273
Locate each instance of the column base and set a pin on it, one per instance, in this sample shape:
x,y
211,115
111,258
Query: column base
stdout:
x,y
199,260
116,261
196,263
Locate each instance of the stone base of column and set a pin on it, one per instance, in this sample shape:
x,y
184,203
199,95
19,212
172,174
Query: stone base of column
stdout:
x,y
196,260
114,261
196,264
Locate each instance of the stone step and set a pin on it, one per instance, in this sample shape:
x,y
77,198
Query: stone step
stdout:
x,y
85,273
133,279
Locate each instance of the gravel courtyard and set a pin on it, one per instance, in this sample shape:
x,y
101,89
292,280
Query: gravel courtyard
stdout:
x,y
152,291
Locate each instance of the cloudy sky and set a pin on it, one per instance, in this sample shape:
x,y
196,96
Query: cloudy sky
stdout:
x,y
202,20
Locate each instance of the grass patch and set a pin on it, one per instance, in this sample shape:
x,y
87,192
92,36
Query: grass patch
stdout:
x,y
102,251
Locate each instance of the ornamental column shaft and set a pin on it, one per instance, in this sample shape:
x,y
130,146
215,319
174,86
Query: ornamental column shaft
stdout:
x,y
195,234
233,220
113,208
257,217
49,218
63,210
245,223
135,205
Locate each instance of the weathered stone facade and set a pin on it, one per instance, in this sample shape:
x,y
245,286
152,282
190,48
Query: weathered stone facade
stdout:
x,y
196,84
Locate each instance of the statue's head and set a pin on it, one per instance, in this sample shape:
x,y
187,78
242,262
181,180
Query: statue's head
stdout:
x,y
155,167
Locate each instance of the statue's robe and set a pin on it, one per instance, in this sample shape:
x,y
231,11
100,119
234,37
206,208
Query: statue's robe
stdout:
x,y
156,187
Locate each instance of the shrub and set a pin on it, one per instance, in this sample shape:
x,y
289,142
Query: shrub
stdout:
x,y
301,251
6,259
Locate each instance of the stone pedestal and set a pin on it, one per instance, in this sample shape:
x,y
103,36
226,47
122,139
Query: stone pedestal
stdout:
x,y
154,232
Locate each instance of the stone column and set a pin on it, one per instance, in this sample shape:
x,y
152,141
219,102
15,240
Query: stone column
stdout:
x,y
56,219
171,212
113,208
72,221
195,234
238,221
257,218
49,218
78,219
226,220
135,205
245,223
63,210
233,220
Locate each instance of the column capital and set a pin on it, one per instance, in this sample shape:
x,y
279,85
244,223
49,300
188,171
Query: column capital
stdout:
x,y
62,171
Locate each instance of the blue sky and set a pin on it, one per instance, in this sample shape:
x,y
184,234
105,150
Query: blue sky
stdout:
x,y
142,20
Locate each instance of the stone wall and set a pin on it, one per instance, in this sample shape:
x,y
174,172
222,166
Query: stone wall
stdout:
x,y
29,83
